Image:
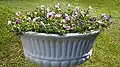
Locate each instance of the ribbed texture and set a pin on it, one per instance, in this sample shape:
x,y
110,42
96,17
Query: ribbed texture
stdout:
x,y
56,52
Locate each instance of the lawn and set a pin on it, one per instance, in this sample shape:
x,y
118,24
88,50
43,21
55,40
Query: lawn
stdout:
x,y
106,50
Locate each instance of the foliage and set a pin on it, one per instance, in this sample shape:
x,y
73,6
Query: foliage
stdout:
x,y
58,20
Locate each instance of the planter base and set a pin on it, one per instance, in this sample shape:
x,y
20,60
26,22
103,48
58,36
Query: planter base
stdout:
x,y
58,63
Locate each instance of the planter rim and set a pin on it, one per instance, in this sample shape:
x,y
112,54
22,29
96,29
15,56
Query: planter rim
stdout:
x,y
56,35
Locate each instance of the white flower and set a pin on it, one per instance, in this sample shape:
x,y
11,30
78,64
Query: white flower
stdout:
x,y
48,10
58,15
100,22
59,9
34,20
38,6
42,6
83,13
28,19
66,15
53,12
35,13
90,7
57,6
18,13
28,13
68,6
41,23
63,20
67,18
9,22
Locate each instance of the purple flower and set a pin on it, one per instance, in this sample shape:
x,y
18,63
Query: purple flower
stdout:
x,y
17,21
64,26
68,27
72,28
77,9
41,23
104,16
67,18
50,14
74,25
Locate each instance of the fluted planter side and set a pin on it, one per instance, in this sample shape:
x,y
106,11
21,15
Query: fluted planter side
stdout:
x,y
58,51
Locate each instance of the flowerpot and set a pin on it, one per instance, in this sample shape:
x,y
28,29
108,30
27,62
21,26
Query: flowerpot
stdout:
x,y
51,50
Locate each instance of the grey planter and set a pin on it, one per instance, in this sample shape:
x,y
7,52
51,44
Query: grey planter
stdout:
x,y
51,50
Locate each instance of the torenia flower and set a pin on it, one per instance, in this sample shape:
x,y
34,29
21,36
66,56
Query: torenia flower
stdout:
x,y
50,14
35,19
68,6
83,13
77,9
63,21
57,6
41,23
58,15
28,19
17,21
104,16
100,22
9,22
35,13
67,18
48,10
18,13
64,26
90,7
42,6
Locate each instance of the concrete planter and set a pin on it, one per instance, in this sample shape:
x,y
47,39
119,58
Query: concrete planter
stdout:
x,y
51,50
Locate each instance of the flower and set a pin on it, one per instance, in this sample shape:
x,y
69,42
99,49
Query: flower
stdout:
x,y
90,7
41,23
48,10
17,21
18,13
42,6
63,20
35,13
77,9
9,22
35,19
58,15
104,16
64,26
50,14
68,6
100,22
57,6
67,18
28,19
83,13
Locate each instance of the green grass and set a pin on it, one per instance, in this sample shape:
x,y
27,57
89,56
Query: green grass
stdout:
x,y
106,51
